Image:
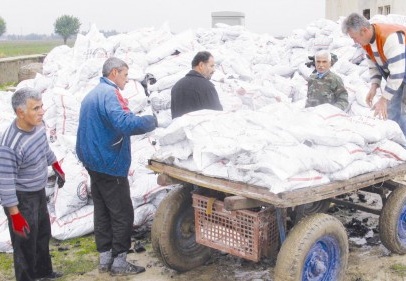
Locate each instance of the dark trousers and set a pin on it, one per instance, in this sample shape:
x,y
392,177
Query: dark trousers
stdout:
x,y
396,110
31,256
113,212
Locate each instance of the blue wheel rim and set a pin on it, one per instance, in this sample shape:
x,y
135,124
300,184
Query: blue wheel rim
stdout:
x,y
323,260
402,226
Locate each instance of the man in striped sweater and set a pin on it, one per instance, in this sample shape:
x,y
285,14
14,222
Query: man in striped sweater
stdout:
x,y
24,159
385,48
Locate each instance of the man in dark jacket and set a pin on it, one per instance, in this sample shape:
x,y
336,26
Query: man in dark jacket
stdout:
x,y
194,91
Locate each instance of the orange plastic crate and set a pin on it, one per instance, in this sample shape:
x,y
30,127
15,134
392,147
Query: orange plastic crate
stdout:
x,y
243,233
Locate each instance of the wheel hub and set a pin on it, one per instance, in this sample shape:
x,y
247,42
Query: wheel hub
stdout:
x,y
322,260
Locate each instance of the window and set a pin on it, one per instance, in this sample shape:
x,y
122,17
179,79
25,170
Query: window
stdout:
x,y
386,10
380,10
366,13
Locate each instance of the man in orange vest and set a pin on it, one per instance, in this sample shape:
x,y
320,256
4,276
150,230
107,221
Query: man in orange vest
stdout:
x,y
385,48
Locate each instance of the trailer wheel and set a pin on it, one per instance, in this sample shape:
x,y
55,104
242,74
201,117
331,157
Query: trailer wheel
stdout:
x,y
173,230
156,228
392,222
315,249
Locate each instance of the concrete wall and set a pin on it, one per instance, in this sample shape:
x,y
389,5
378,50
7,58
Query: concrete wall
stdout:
x,y
341,8
397,6
337,8
9,67
227,17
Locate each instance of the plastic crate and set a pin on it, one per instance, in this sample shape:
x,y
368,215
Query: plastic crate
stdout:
x,y
243,233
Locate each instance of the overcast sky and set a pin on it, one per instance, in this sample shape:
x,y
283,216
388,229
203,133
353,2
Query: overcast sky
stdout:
x,y
276,17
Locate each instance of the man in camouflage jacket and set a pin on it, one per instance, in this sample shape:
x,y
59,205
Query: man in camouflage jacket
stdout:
x,y
325,86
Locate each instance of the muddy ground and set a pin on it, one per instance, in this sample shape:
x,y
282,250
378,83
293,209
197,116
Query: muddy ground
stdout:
x,y
365,264
368,259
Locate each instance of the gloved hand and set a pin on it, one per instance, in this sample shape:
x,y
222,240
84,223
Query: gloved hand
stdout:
x,y
60,175
20,225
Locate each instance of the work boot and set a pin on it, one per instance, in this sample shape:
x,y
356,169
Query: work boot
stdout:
x,y
122,267
105,261
51,276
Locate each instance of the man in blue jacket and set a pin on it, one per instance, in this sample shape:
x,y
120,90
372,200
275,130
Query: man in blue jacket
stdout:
x,y
103,145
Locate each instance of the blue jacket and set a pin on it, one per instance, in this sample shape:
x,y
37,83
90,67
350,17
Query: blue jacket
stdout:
x,y
103,141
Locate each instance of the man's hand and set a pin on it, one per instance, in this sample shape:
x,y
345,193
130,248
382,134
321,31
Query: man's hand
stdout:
x,y
381,108
20,225
60,175
371,94
156,120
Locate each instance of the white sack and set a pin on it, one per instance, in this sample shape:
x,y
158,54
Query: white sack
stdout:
x,y
73,195
5,240
74,224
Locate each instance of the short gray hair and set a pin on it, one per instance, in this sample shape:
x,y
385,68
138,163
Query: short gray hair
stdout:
x,y
20,97
323,54
113,63
354,22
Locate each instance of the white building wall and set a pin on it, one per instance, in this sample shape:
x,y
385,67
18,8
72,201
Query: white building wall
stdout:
x,y
341,8
337,8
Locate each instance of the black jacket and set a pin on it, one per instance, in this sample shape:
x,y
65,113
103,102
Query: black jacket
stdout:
x,y
193,92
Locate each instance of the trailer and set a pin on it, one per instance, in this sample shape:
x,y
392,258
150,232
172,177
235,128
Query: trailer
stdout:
x,y
204,213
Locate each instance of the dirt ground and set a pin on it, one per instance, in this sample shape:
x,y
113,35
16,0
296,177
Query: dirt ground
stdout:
x,y
368,259
365,264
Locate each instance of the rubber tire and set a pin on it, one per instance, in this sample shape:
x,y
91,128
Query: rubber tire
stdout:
x,y
156,228
174,236
317,230
304,210
392,222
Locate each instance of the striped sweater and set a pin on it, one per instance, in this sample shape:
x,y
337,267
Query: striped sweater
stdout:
x,y
24,161
387,57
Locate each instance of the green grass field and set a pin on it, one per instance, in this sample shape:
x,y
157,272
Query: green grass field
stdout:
x,y
72,257
13,48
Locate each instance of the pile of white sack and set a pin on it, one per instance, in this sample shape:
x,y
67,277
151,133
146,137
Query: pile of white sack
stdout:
x,y
280,146
264,136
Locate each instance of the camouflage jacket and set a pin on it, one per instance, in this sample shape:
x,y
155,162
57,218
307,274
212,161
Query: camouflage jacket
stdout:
x,y
328,89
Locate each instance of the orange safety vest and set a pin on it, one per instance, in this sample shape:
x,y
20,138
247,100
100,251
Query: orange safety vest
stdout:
x,y
382,31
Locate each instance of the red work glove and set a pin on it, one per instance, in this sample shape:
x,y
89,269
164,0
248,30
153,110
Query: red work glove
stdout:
x,y
20,225
60,175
